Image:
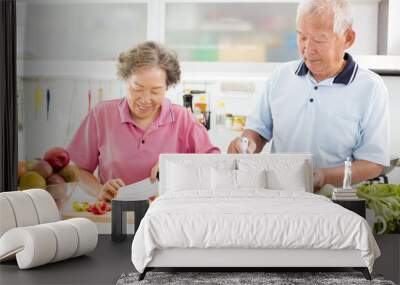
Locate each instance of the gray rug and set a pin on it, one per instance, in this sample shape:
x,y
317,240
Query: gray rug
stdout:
x,y
228,278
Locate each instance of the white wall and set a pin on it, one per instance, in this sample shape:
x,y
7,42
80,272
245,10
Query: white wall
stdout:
x,y
393,85
393,27
68,107
366,27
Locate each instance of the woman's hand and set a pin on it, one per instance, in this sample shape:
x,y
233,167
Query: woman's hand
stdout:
x,y
109,190
153,173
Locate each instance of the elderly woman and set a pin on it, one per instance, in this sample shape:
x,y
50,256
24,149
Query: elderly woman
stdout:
x,y
125,137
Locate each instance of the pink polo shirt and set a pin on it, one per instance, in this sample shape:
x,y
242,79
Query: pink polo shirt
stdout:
x,y
108,138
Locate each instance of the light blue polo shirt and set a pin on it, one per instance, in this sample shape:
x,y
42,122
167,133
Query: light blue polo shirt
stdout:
x,y
344,116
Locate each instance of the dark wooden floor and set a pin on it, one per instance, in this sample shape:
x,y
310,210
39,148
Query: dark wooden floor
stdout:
x,y
110,259
102,266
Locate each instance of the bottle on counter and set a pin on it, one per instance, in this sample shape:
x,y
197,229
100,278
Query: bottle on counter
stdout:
x,y
196,102
238,123
188,101
198,114
228,121
220,115
199,97
203,103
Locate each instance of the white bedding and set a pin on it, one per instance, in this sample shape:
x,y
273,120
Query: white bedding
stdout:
x,y
251,218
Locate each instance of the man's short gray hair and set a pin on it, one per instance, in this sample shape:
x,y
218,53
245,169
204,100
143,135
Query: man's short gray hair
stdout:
x,y
341,9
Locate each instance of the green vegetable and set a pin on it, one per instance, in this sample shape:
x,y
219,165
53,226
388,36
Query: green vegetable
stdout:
x,y
326,191
384,200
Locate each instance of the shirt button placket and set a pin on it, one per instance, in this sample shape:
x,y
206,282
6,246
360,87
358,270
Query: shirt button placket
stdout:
x,y
311,117
312,99
141,142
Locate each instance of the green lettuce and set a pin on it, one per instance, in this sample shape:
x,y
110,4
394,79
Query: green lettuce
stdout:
x,y
384,200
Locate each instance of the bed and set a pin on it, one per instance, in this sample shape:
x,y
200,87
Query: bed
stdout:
x,y
246,211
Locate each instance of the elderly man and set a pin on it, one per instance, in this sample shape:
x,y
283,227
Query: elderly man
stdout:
x,y
325,103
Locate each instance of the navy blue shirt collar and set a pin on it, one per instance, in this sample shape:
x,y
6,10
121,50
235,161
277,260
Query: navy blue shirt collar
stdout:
x,y
346,76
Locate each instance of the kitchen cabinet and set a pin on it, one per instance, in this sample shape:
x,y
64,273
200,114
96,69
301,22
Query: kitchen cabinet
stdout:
x,y
256,31
202,30
78,30
232,32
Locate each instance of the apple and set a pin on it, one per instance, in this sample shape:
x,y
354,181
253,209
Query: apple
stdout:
x,y
57,157
30,163
55,179
69,173
57,187
21,168
43,168
30,180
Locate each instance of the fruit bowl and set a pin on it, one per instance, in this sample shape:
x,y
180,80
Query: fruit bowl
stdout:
x,y
62,192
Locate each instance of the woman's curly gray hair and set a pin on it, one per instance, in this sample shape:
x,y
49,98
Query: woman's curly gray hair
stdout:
x,y
149,54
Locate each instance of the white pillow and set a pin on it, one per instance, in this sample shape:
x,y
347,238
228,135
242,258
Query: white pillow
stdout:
x,y
223,179
289,179
183,177
227,179
251,178
281,174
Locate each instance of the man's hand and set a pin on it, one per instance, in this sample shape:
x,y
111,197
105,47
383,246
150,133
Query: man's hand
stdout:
x,y
361,171
236,147
153,172
318,178
109,190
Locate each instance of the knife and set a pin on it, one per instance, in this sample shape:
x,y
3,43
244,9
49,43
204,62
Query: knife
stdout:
x,y
140,190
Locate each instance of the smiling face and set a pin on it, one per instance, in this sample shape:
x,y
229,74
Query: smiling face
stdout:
x,y
146,92
321,48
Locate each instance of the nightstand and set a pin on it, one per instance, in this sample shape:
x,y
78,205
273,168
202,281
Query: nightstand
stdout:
x,y
356,205
118,216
